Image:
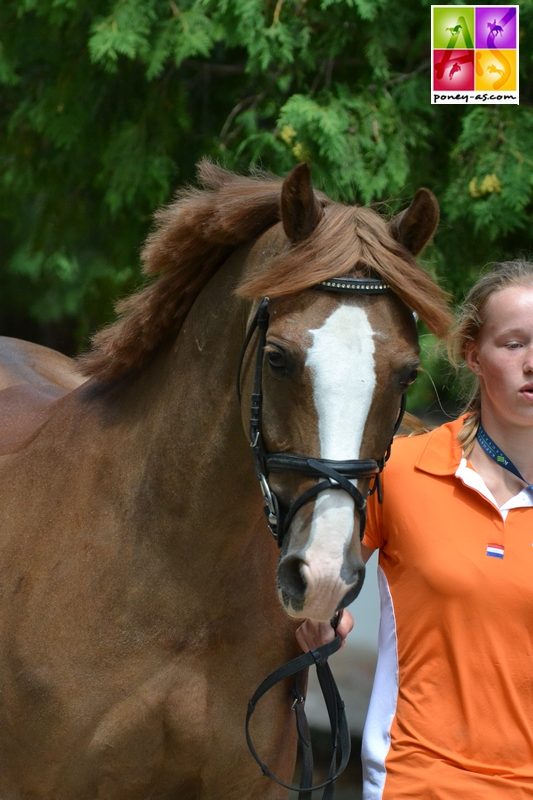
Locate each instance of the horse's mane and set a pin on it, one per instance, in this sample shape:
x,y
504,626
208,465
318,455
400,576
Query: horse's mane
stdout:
x,y
196,234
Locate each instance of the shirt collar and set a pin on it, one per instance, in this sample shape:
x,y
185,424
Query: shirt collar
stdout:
x,y
442,453
471,478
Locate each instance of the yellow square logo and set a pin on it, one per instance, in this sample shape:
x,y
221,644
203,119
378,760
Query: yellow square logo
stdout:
x,y
495,71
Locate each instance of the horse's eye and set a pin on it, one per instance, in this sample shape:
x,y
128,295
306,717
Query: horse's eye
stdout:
x,y
409,378
277,359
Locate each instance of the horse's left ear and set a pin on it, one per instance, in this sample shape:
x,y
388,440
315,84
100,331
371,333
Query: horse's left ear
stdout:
x,y
301,210
415,226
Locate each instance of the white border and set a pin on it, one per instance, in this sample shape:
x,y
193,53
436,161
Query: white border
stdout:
x,y
441,97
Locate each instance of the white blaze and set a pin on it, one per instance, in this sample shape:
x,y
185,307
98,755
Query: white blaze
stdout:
x,y
341,360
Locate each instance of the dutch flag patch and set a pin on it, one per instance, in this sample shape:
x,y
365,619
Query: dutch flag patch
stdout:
x,y
495,550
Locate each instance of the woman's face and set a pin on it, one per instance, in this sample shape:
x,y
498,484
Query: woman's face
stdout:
x,y
502,356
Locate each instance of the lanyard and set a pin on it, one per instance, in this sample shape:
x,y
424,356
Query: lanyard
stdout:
x,y
491,449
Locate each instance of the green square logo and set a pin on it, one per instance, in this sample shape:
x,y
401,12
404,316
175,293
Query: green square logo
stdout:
x,y
453,27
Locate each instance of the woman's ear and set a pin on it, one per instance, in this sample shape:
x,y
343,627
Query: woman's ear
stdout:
x,y
472,357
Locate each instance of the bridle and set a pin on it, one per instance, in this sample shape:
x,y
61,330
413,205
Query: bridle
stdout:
x,y
331,475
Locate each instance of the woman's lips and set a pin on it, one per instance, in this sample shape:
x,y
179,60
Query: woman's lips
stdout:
x,y
527,391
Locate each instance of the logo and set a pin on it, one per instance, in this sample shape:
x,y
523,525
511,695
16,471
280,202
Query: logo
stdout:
x,y
474,55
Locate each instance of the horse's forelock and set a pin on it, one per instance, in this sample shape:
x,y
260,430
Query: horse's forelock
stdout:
x,y
351,240
195,235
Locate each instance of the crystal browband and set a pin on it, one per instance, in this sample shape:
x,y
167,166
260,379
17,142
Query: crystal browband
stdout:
x,y
348,285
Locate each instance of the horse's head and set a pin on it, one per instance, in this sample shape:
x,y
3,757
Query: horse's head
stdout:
x,y
332,365
332,357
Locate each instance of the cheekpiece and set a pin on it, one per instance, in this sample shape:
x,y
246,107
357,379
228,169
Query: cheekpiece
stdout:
x,y
351,285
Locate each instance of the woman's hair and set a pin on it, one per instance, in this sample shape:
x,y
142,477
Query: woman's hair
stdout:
x,y
469,322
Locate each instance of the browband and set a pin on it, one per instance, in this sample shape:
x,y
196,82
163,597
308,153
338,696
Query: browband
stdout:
x,y
351,285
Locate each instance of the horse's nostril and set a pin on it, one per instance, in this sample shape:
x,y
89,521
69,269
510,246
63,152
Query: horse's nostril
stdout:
x,y
357,577
290,576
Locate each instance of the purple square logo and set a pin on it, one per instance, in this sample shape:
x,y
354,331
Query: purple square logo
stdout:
x,y
496,27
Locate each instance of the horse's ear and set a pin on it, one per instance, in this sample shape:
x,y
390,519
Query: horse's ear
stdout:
x,y
415,226
301,210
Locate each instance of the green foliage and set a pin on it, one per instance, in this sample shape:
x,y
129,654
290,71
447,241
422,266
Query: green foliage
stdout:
x,y
367,9
124,32
360,144
108,104
494,149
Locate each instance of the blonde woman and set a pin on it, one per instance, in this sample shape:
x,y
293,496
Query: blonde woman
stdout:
x,y
451,713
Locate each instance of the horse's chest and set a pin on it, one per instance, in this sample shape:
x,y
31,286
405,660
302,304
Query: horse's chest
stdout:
x,y
148,741
153,739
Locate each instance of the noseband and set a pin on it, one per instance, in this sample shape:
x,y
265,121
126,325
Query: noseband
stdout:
x,y
331,474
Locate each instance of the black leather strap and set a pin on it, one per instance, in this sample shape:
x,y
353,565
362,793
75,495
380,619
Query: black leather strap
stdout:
x,y
340,734
277,462
336,474
258,322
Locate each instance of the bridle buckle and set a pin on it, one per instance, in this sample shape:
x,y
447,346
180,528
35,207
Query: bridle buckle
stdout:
x,y
271,505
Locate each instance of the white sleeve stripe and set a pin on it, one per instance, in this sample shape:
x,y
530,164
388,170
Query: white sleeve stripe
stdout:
x,y
383,702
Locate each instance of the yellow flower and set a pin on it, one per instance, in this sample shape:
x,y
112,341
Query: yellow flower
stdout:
x,y
300,152
287,133
490,183
472,188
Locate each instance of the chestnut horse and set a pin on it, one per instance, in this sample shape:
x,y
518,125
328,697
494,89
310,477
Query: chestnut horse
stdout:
x,y
139,607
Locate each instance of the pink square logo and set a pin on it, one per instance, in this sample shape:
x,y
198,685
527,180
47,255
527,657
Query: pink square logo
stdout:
x,y
453,70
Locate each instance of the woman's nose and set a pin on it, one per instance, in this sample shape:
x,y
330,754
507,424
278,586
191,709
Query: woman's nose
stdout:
x,y
528,360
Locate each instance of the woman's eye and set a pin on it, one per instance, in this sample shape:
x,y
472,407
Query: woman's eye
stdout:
x,y
277,359
513,345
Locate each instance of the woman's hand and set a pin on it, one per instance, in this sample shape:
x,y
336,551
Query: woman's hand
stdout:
x,y
311,634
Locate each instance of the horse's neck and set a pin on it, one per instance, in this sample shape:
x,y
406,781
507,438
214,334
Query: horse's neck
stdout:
x,y
178,434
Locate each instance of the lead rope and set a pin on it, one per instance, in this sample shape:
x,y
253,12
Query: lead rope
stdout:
x,y
340,734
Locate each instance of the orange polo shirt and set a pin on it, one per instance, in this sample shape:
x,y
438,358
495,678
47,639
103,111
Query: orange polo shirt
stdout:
x,y
451,713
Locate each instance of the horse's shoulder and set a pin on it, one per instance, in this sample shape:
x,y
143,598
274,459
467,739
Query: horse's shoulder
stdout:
x,y
412,426
32,379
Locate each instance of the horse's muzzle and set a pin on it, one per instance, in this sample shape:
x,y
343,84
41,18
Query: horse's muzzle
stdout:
x,y
317,594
